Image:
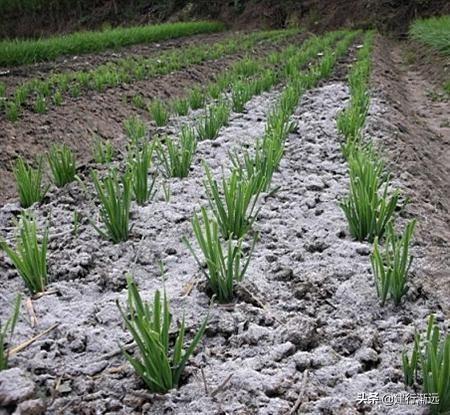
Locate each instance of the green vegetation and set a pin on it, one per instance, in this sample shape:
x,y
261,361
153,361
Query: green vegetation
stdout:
x,y
224,269
150,328
103,151
158,112
368,208
29,182
180,106
240,95
351,121
233,203
434,32
215,117
196,98
176,159
391,268
62,164
135,129
429,365
127,70
6,333
19,52
139,165
115,200
30,255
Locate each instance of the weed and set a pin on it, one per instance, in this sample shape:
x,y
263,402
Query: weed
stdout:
x,y
224,269
115,201
62,164
30,255
150,326
391,267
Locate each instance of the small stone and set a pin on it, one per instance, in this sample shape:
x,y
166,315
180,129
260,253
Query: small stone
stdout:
x,y
284,274
363,250
31,407
314,183
171,251
15,387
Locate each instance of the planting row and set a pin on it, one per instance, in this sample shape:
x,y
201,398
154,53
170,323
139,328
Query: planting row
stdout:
x,y
39,94
370,209
19,52
219,232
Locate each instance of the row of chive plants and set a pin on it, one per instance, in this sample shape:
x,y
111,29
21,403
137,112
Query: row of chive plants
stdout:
x,y
24,51
39,95
370,210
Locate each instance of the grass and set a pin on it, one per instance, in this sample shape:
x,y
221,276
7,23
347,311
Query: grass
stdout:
x,y
19,52
30,254
29,182
429,365
368,208
434,32
62,164
233,203
103,152
158,112
114,195
7,331
215,117
176,159
139,165
391,267
224,268
150,326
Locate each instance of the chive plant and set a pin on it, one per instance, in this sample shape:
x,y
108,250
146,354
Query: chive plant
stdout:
x,y
180,106
391,267
176,159
368,208
135,129
30,254
62,164
158,112
139,165
225,267
233,203
160,365
196,98
103,152
29,182
7,332
215,117
240,95
429,365
114,195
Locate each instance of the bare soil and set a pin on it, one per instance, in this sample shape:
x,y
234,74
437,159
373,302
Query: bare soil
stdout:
x,y
413,127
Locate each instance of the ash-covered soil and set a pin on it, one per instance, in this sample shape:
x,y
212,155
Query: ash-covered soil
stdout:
x,y
306,331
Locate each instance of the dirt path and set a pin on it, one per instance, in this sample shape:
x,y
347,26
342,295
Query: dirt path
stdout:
x,y
414,128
